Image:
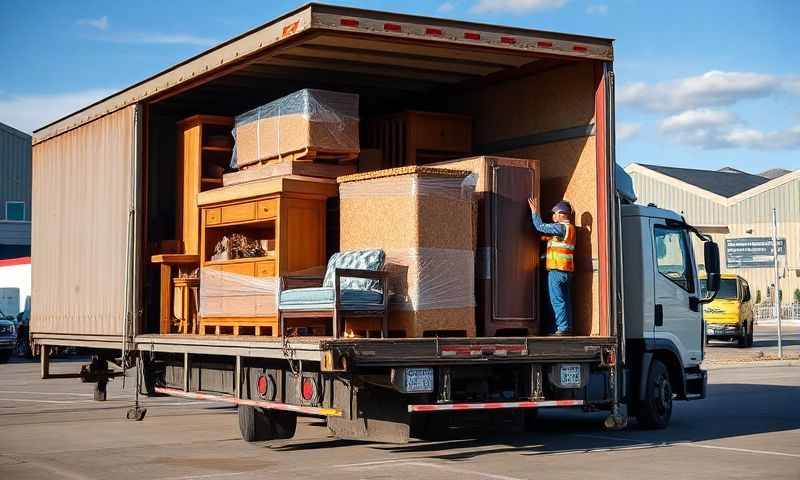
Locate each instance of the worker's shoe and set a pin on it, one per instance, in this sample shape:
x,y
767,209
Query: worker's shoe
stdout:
x,y
562,333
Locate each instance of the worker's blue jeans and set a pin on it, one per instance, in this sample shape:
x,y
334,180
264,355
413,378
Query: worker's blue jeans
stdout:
x,y
558,284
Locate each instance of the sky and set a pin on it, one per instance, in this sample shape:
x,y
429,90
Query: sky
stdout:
x,y
699,84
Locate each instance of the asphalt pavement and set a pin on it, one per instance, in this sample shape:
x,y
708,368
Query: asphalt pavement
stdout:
x,y
765,347
749,427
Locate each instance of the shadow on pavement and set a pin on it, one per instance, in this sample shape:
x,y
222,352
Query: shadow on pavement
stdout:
x,y
731,410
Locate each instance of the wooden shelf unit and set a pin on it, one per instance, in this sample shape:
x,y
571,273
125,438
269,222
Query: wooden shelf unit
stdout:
x,y
200,168
295,220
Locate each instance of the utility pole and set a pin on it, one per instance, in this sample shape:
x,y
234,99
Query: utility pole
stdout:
x,y
777,293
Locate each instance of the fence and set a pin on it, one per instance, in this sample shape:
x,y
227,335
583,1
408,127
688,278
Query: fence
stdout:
x,y
766,312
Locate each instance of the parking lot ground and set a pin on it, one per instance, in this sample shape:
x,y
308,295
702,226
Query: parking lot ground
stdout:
x,y
749,427
765,347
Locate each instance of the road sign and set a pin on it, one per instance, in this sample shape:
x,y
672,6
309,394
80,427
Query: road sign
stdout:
x,y
751,252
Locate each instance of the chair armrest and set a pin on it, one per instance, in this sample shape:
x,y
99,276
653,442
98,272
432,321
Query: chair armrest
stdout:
x,y
380,275
287,282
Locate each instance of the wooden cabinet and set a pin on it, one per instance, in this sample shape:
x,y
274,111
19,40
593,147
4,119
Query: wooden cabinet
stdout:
x,y
288,218
419,138
205,146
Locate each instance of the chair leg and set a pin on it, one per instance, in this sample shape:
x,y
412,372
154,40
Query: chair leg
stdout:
x,y
335,323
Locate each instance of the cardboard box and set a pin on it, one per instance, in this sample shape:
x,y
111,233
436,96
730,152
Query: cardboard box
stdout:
x,y
423,218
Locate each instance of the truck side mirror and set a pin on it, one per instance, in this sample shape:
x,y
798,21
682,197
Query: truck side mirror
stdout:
x,y
711,257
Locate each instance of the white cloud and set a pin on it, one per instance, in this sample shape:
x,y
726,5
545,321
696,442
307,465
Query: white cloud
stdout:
x,y
516,6
446,7
626,131
711,89
163,39
30,112
597,9
98,23
718,129
699,118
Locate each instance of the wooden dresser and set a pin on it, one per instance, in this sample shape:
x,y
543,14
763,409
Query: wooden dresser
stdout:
x,y
287,215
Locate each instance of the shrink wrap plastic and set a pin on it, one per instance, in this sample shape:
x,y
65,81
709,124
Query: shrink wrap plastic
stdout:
x,y
445,187
431,278
319,120
227,294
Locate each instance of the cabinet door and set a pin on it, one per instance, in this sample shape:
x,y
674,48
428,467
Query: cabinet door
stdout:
x,y
516,246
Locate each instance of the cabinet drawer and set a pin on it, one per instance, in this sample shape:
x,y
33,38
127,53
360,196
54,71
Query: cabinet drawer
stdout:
x,y
245,268
212,216
268,208
241,212
265,269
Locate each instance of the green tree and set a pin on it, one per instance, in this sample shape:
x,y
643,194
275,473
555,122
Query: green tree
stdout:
x,y
758,296
797,295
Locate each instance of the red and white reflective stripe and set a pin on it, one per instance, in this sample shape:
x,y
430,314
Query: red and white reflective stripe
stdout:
x,y
527,41
492,406
324,412
480,350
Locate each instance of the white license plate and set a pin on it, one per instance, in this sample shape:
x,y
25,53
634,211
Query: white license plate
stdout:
x,y
419,380
570,375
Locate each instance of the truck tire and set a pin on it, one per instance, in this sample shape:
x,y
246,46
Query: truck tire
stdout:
x,y
655,410
745,339
750,337
259,424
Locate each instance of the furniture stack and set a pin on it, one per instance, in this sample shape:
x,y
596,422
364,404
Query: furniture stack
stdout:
x,y
423,219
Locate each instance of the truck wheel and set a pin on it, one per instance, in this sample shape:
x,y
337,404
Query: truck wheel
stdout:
x,y
259,424
743,338
655,410
750,337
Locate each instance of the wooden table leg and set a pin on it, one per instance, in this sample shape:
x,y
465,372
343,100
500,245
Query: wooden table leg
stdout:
x,y
166,298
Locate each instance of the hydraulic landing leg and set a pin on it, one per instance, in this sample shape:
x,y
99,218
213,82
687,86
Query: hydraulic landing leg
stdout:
x,y
136,412
97,372
615,420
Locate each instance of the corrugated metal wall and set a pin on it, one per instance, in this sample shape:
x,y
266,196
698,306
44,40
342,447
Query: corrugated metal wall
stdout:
x,y
754,214
15,183
81,192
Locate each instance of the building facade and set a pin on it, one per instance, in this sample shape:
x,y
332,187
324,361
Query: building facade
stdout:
x,y
735,208
15,193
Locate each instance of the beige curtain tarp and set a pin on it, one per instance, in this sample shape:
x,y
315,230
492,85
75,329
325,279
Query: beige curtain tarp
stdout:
x,y
81,194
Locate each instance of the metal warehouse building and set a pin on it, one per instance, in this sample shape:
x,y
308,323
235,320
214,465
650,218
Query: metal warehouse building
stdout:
x,y
736,209
15,193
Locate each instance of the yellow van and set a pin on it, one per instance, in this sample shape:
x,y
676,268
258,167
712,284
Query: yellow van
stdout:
x,y
730,315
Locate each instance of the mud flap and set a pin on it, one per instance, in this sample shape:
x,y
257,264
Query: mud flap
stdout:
x,y
369,413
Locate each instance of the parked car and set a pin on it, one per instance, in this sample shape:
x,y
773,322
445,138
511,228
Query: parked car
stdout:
x,y
8,338
730,315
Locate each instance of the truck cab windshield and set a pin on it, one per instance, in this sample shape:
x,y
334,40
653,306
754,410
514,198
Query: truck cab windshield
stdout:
x,y
727,288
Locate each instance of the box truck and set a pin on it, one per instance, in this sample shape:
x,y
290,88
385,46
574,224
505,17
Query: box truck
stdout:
x,y
104,181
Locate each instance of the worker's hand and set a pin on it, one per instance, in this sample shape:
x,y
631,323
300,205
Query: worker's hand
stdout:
x,y
532,204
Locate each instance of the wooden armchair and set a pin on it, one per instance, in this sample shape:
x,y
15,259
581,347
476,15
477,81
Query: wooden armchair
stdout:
x,y
331,300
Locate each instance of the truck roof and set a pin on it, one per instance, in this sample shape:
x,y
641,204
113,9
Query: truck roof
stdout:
x,y
636,210
267,42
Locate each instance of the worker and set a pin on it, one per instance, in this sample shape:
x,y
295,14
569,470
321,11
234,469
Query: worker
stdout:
x,y
559,261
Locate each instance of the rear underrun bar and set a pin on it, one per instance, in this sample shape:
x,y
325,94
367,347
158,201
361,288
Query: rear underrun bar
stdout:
x,y
317,411
421,408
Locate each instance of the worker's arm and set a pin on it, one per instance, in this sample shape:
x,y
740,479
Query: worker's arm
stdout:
x,y
552,229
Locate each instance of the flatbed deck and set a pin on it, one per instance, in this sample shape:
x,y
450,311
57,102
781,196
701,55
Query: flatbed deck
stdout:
x,y
390,351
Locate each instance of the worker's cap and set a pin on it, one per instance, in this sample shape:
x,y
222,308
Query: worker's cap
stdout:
x,y
562,206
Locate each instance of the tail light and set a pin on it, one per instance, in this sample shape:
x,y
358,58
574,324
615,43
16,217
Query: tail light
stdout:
x,y
309,389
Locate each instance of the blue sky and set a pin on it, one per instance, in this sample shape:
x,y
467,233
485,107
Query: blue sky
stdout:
x,y
699,84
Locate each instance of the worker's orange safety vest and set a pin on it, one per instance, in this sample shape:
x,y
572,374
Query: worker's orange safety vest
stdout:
x,y
561,251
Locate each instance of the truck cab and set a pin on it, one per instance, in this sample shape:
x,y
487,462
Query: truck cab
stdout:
x,y
663,318
730,315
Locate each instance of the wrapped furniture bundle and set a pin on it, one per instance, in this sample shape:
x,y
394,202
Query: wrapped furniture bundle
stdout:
x,y
423,218
307,124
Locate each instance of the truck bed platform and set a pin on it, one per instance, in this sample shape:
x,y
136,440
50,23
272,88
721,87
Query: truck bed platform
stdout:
x,y
390,351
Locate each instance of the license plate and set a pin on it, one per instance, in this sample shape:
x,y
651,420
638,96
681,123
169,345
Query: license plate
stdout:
x,y
419,380
570,375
